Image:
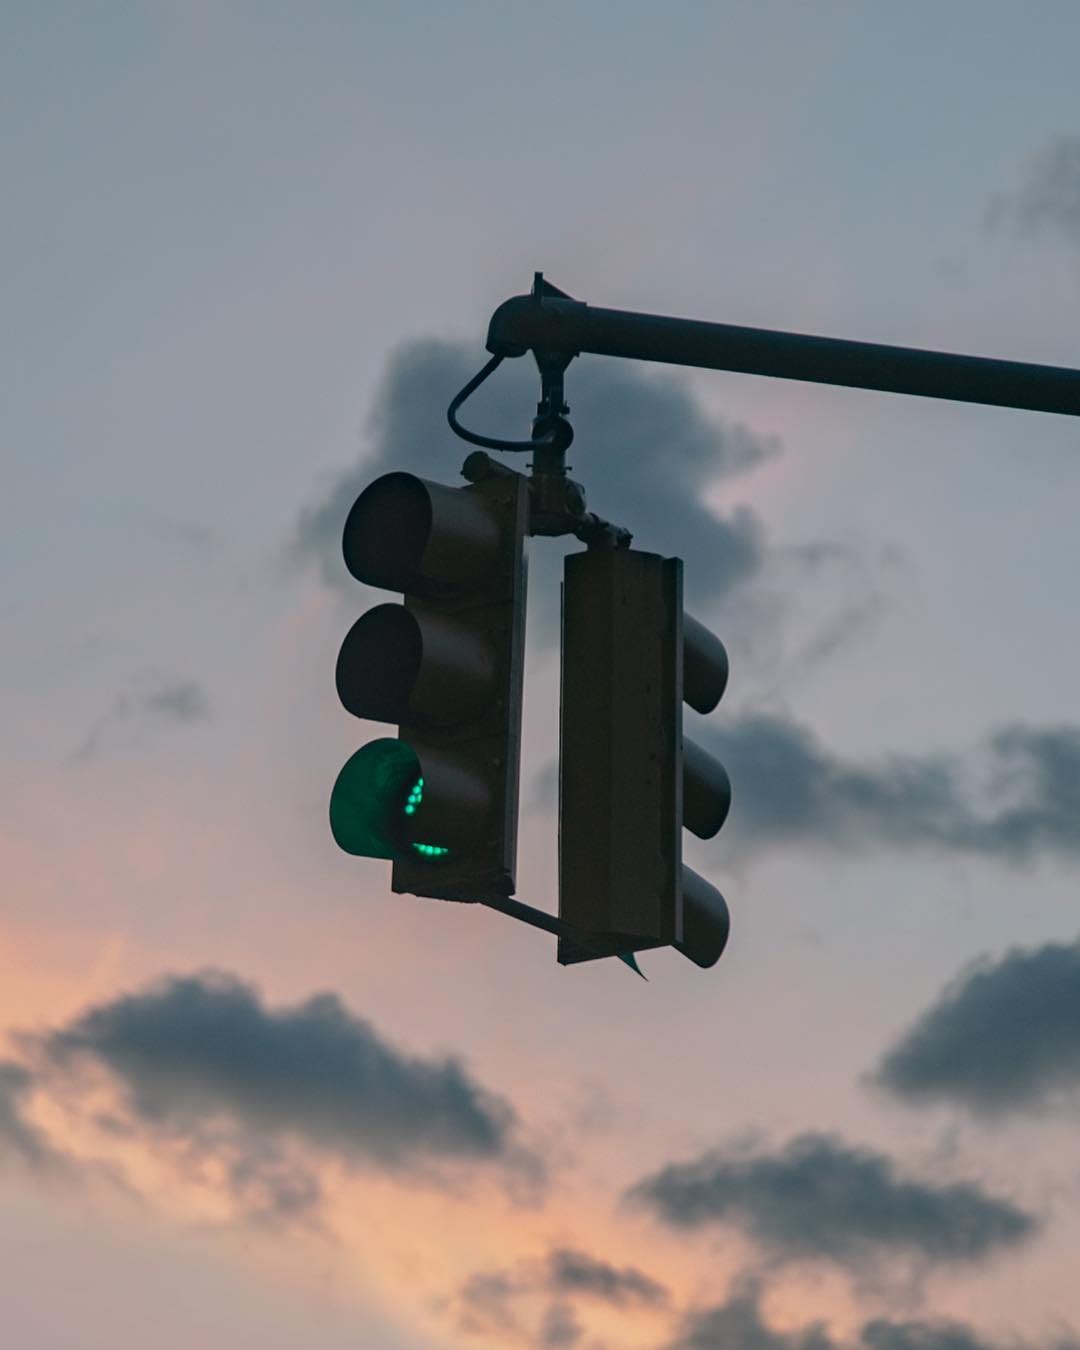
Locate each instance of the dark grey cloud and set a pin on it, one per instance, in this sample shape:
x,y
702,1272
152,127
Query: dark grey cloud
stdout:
x,y
133,714
738,1324
20,1139
1048,200
202,1056
787,787
1004,1036
644,449
883,1335
949,1335
821,1198
1014,799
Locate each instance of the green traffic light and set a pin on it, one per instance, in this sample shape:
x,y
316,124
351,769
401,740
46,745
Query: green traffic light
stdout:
x,y
377,788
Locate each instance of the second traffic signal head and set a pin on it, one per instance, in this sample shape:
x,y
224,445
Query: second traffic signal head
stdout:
x,y
628,778
445,666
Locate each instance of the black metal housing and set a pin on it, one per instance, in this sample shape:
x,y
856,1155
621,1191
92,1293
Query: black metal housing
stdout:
x,y
620,752
628,779
446,666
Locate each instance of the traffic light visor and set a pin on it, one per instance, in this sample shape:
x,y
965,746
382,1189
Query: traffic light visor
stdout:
x,y
386,531
407,534
705,666
415,665
706,791
706,923
378,664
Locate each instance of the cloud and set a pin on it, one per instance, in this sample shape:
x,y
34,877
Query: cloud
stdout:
x,y
738,1324
488,1299
185,702
575,1272
787,787
1014,799
648,452
822,1198
486,1303
883,1335
811,601
1002,1037
202,1057
840,631
948,1335
133,714
1049,198
20,1139
270,1185
644,448
560,1327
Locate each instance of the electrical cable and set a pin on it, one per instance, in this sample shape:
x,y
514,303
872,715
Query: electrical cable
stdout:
x,y
552,437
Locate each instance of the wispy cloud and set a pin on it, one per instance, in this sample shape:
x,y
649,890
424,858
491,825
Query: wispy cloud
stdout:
x,y
133,715
19,1139
1048,199
488,1300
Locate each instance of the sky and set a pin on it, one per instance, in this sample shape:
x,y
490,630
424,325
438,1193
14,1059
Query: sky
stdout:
x,y
247,1094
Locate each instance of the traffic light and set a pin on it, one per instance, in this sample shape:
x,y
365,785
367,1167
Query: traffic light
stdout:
x,y
446,665
628,778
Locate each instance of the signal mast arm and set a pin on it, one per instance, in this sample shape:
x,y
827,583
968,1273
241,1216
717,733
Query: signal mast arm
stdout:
x,y
549,322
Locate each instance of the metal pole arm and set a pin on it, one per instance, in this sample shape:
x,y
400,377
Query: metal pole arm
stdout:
x,y
540,918
550,321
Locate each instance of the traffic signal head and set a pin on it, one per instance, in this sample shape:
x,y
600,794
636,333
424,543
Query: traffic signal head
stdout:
x,y
445,665
628,779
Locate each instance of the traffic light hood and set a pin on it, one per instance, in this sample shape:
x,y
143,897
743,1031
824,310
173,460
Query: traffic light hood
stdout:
x,y
407,534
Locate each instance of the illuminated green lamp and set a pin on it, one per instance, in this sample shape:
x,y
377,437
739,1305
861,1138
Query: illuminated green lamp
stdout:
x,y
375,804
